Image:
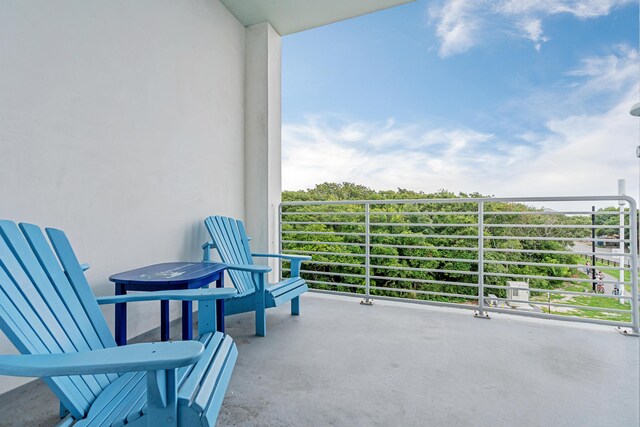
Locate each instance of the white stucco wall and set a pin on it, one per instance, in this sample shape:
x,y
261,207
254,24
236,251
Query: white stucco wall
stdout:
x,y
121,122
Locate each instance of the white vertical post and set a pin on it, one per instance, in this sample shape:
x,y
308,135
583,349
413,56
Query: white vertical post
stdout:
x,y
262,139
621,203
367,255
480,313
633,231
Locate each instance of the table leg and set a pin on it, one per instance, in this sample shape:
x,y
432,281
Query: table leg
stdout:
x,y
121,316
164,320
187,320
220,305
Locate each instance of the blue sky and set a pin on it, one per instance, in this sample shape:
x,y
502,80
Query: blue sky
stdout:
x,y
504,97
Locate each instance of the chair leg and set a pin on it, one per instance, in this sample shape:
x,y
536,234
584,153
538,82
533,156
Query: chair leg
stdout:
x,y
261,322
261,307
295,306
162,398
261,315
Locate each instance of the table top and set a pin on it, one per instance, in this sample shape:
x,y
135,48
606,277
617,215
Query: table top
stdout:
x,y
169,273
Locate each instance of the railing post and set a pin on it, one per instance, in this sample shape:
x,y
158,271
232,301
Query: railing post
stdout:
x,y
620,286
481,313
633,235
594,258
367,252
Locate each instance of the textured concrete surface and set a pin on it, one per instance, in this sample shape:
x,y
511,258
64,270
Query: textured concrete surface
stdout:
x,y
344,364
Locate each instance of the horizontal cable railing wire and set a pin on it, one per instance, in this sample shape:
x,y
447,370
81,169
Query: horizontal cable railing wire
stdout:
x,y
547,252
490,254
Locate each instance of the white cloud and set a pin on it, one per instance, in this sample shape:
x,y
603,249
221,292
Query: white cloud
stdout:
x,y
579,8
583,155
578,154
532,28
383,157
461,24
457,26
607,74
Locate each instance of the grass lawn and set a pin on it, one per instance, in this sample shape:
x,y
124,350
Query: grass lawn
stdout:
x,y
585,301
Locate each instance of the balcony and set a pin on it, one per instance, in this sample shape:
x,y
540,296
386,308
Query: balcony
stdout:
x,y
127,125
418,354
394,363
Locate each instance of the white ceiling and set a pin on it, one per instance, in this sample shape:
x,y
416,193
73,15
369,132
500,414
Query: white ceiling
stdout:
x,y
291,16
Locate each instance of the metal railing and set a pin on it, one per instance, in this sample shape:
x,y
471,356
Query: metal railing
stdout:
x,y
505,255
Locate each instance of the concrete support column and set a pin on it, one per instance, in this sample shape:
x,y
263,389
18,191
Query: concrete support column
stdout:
x,y
262,138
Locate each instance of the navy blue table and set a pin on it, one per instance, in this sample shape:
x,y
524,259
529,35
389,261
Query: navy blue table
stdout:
x,y
165,277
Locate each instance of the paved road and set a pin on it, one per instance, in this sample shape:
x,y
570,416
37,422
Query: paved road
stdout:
x,y
604,253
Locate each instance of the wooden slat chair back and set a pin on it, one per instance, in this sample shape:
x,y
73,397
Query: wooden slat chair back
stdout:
x,y
232,244
47,310
230,239
41,312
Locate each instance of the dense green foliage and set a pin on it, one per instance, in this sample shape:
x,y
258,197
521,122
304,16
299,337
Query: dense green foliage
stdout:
x,y
409,241
611,218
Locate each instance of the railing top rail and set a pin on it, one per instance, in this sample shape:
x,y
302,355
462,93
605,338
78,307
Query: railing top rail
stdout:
x,y
627,199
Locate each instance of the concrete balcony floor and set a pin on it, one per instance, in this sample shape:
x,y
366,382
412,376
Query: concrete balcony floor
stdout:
x,y
344,364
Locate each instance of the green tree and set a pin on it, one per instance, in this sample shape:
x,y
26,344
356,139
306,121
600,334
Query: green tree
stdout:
x,y
425,250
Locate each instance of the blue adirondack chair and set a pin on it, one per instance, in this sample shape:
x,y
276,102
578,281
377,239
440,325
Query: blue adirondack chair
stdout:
x,y
49,313
230,239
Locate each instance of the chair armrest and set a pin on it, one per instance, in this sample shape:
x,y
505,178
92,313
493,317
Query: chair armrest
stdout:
x,y
129,358
206,250
284,256
179,295
257,274
296,260
249,268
